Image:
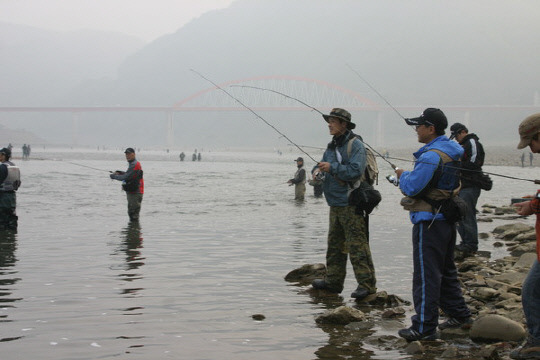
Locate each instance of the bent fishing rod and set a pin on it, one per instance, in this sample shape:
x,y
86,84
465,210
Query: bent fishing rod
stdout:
x,y
254,113
385,158
320,112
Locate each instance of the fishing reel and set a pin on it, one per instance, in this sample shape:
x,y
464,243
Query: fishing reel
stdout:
x,y
393,179
319,176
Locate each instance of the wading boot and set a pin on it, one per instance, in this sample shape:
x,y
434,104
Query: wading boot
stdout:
x,y
321,284
413,335
454,323
359,293
531,350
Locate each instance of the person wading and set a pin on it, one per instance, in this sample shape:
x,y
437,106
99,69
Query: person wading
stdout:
x,y
132,184
299,180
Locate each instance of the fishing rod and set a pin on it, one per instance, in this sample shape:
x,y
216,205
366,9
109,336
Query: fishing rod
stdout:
x,y
311,107
86,166
254,113
469,170
375,90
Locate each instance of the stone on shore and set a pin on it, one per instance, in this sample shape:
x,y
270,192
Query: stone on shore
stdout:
x,y
496,328
306,273
342,315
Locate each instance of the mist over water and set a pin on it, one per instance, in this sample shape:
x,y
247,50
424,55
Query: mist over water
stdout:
x,y
215,240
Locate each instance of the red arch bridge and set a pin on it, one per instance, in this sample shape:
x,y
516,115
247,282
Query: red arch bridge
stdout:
x,y
318,94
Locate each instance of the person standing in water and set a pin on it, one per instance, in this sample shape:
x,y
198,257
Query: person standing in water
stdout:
x,y
299,180
10,180
132,184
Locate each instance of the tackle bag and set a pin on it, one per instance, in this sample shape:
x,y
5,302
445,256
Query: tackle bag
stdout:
x,y
365,197
453,209
485,182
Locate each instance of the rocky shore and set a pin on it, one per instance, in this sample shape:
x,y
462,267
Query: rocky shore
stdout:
x,y
492,290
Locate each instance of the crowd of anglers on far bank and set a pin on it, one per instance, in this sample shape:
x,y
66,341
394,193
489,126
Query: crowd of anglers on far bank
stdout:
x,y
441,190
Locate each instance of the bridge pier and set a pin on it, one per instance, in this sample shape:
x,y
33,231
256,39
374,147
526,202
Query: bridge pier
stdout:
x,y
170,129
75,128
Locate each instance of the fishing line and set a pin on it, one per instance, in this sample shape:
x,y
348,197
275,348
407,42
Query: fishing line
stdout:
x,y
311,107
86,166
254,113
375,90
468,170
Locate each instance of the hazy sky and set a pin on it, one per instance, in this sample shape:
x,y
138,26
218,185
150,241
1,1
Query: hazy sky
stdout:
x,y
146,19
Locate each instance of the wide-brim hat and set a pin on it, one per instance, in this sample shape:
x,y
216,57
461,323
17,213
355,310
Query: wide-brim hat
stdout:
x,y
430,116
341,114
527,129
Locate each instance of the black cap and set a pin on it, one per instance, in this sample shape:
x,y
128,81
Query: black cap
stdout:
x,y
129,150
456,128
299,159
430,116
6,152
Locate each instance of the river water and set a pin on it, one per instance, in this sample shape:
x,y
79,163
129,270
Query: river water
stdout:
x,y
216,239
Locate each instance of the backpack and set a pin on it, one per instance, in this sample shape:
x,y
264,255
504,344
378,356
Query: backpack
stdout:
x,y
361,192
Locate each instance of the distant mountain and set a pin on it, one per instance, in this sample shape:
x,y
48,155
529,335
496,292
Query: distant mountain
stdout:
x,y
41,67
418,53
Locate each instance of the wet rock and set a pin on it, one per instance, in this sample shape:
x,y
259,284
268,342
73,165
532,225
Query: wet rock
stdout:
x,y
450,352
343,315
496,328
415,347
258,317
393,312
498,244
483,236
526,261
505,210
484,294
382,298
526,236
517,227
489,353
512,277
306,273
521,249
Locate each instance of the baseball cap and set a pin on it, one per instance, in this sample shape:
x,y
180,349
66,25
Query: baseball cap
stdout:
x,y
527,129
456,128
430,116
129,150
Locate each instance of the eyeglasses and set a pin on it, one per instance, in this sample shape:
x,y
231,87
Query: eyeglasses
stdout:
x,y
426,124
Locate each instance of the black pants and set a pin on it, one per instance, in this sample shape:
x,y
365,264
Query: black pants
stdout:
x,y
435,282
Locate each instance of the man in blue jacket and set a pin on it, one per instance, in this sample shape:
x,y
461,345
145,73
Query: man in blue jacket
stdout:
x,y
342,165
434,179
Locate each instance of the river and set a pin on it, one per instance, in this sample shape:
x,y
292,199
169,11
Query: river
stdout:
x,y
215,240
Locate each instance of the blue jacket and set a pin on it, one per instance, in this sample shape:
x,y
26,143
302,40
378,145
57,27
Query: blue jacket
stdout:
x,y
336,193
413,182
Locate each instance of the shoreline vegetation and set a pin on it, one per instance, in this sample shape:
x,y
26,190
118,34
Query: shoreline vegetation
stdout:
x,y
491,287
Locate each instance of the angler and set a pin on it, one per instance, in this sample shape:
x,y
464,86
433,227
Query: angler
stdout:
x,y
347,233
10,180
132,184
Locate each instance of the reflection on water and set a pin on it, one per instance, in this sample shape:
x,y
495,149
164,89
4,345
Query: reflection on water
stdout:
x,y
130,250
8,278
219,237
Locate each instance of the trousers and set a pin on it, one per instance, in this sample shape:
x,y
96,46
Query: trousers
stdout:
x,y
468,228
347,238
435,281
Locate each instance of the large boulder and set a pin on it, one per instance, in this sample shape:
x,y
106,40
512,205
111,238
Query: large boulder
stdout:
x,y
496,328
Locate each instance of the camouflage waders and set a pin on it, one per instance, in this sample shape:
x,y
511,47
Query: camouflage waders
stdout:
x,y
347,235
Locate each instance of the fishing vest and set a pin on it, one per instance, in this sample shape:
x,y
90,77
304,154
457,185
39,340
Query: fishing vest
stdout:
x,y
418,204
13,179
298,172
